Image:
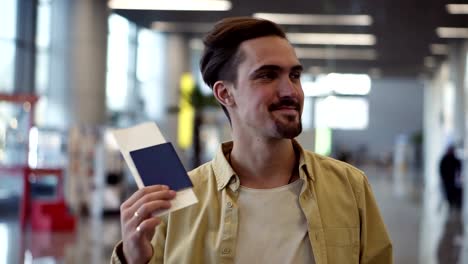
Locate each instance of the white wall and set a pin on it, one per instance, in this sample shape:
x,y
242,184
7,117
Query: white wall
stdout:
x,y
395,107
432,220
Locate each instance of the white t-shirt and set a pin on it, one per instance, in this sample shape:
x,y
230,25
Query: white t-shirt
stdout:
x,y
272,226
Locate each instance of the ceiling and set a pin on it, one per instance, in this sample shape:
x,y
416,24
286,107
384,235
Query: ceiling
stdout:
x,y
404,29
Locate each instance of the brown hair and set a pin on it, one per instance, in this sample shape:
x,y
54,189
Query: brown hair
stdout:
x,y
221,55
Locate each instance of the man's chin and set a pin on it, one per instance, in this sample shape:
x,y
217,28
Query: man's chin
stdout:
x,y
289,131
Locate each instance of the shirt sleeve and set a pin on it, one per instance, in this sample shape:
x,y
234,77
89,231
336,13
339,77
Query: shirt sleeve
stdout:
x,y
117,254
158,243
376,247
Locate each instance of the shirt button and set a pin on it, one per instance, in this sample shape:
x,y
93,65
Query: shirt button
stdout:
x,y
229,204
226,250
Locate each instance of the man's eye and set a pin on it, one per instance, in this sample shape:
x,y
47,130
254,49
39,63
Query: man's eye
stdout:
x,y
267,76
295,75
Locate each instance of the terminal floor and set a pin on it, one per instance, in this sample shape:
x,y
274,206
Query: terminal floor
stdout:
x,y
416,238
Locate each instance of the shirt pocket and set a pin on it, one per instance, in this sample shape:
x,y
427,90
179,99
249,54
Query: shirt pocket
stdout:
x,y
342,245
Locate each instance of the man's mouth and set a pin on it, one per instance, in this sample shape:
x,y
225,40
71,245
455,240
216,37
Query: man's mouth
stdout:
x,y
287,110
288,105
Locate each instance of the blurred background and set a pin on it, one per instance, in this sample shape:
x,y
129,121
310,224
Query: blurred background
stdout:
x,y
386,85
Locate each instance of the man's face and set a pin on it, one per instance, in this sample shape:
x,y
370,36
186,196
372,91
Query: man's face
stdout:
x,y
268,94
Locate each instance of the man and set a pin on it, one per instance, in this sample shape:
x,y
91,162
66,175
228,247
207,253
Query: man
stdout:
x,y
450,169
262,199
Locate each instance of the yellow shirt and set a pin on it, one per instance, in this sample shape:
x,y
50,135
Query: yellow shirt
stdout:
x,y
344,223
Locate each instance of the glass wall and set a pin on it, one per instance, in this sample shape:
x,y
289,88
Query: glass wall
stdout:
x,y
150,72
43,32
135,72
7,44
118,66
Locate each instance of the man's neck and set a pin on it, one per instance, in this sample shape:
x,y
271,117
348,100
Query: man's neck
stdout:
x,y
264,164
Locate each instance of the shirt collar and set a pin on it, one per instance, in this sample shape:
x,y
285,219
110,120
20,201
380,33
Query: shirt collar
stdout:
x,y
225,174
305,162
222,169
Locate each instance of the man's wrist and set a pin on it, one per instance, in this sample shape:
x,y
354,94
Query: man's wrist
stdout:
x,y
120,253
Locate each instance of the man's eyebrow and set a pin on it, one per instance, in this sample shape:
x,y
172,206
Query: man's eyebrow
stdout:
x,y
297,68
272,67
267,67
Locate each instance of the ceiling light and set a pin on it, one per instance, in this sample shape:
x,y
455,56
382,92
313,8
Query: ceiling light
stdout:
x,y
181,27
296,19
336,54
457,9
439,49
332,39
452,32
177,5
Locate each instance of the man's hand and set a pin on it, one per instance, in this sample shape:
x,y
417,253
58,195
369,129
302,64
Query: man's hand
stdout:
x,y
138,226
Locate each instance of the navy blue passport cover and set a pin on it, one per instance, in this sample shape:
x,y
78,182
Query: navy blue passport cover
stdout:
x,y
160,164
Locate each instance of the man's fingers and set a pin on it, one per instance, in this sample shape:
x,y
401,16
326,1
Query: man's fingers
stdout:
x,y
152,197
147,228
142,192
145,211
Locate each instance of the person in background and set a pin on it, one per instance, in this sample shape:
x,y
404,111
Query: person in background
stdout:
x,y
450,173
263,198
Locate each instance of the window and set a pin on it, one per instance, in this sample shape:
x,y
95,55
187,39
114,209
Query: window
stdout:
x,y
117,62
43,46
8,19
149,72
341,112
7,44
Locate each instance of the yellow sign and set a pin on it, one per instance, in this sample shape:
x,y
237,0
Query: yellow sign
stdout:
x,y
186,111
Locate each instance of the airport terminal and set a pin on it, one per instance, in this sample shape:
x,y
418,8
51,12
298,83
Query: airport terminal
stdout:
x,y
385,87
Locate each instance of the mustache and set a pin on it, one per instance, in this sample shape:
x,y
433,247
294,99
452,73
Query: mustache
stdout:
x,y
285,101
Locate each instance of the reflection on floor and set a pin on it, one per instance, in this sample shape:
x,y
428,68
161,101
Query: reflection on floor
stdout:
x,y
451,242
399,202
398,194
92,242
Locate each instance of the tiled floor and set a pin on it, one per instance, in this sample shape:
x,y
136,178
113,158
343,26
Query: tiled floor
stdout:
x,y
92,242
397,194
399,202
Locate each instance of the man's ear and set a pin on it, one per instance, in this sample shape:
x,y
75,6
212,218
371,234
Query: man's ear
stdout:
x,y
222,93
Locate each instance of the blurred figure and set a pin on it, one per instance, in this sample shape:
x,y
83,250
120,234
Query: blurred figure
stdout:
x,y
449,169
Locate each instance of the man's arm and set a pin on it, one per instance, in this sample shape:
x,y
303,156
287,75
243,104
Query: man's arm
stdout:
x,y
376,247
158,243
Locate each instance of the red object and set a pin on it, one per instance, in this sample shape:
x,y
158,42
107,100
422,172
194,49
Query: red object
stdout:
x,y
44,215
49,215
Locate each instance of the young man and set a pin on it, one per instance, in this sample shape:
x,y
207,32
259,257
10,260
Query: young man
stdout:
x,y
262,199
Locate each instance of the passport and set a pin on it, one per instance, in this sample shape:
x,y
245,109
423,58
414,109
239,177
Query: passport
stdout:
x,y
152,160
160,164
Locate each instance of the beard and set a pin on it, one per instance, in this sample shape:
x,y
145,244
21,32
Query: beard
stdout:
x,y
290,129
287,126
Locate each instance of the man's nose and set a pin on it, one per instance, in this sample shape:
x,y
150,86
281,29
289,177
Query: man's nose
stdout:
x,y
288,88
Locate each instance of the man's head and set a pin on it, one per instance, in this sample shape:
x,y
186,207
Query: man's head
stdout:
x,y
451,149
254,74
